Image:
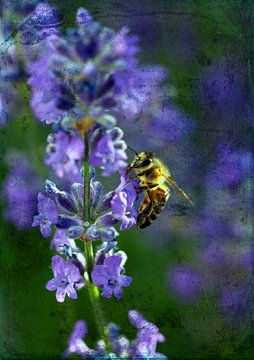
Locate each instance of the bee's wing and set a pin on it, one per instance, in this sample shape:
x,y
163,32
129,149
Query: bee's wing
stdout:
x,y
172,183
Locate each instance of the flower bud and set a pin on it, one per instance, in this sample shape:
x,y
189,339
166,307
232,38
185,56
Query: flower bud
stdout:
x,y
107,220
108,234
77,191
93,233
64,222
108,121
116,133
75,232
65,200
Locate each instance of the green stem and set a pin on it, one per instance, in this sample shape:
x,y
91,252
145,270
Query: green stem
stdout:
x,y
93,291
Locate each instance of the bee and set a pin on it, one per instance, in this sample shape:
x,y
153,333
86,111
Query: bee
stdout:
x,y
155,180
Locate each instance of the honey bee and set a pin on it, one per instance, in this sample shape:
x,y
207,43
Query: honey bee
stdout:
x,y
155,180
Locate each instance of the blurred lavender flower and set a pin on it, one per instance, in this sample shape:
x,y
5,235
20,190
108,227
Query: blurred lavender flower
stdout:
x,y
65,154
20,189
67,279
235,301
223,87
232,167
94,72
76,344
9,72
108,150
42,22
108,277
20,6
185,282
43,88
169,124
143,347
147,338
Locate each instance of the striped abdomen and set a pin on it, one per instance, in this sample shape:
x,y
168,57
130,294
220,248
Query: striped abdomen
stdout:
x,y
152,206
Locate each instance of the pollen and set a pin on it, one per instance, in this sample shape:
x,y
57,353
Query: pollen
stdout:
x,y
84,124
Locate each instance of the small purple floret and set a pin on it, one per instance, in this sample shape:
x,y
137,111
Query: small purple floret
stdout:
x,y
147,338
47,215
66,279
108,277
76,345
108,156
123,202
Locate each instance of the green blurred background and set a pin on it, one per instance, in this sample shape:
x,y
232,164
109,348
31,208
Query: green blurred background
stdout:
x,y
33,324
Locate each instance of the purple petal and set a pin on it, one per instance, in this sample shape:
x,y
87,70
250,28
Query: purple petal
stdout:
x,y
118,292
100,275
119,204
113,264
57,263
71,292
45,230
52,284
47,207
37,220
60,294
107,293
124,280
79,284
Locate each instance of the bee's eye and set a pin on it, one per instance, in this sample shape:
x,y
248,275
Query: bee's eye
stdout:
x,y
145,162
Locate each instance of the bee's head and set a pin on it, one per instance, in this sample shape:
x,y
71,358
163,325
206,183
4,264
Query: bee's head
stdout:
x,y
142,161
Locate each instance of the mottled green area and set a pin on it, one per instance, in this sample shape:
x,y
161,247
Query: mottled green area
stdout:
x,y
33,324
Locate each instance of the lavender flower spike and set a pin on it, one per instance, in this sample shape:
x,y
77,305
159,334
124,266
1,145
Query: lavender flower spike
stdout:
x,y
147,338
76,344
66,279
108,277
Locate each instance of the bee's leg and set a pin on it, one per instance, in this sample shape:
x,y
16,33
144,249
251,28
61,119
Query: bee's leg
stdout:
x,y
145,187
145,210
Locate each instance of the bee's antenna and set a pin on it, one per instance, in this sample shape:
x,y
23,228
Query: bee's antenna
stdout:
x,y
132,150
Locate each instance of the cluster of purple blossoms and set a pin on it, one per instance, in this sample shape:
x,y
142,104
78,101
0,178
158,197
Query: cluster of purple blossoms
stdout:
x,y
65,212
143,347
223,228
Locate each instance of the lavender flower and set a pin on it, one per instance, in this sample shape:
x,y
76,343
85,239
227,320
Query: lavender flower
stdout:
x,y
108,277
42,22
223,87
185,282
94,72
65,154
20,6
232,167
20,190
123,202
47,215
66,279
61,240
76,344
43,89
108,151
147,338
143,347
235,300
169,124
9,72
